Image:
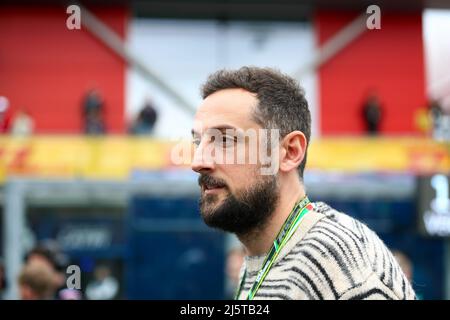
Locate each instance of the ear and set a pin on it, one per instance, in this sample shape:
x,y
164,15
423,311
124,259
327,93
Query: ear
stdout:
x,y
292,151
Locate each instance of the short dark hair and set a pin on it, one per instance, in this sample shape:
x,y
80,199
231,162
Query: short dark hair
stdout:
x,y
282,103
52,253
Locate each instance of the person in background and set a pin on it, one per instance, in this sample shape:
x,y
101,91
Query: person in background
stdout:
x,y
104,286
436,113
95,124
145,120
93,113
405,263
36,282
407,266
372,114
2,278
5,117
49,254
22,124
440,121
234,261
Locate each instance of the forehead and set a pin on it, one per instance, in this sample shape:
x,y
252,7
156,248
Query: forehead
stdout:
x,y
228,107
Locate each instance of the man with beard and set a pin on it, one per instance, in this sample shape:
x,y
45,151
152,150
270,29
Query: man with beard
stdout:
x,y
295,249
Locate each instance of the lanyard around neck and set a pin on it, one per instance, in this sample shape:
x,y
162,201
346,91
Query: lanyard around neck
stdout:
x,y
287,230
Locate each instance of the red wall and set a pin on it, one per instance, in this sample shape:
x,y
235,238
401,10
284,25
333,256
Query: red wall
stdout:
x,y
46,68
389,60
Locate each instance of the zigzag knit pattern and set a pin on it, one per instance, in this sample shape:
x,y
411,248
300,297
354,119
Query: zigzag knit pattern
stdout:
x,y
331,256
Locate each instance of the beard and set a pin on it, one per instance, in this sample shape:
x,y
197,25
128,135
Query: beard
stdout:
x,y
247,211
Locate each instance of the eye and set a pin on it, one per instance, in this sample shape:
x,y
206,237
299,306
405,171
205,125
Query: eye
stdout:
x,y
228,141
196,141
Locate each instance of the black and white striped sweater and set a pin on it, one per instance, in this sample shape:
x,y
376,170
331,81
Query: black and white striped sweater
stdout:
x,y
330,256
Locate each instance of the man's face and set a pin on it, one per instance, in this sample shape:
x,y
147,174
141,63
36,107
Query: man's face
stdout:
x,y
235,197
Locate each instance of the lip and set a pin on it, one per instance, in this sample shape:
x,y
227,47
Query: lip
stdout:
x,y
213,190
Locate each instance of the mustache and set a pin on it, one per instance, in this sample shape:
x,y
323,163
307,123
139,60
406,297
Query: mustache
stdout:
x,y
210,182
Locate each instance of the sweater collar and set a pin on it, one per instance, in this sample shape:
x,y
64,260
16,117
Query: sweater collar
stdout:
x,y
254,263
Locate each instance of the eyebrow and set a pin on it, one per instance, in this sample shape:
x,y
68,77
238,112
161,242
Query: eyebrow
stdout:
x,y
221,128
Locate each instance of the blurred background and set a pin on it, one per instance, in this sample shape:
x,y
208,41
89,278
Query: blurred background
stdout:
x,y
93,98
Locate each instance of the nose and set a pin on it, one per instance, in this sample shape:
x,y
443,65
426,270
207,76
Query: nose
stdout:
x,y
202,161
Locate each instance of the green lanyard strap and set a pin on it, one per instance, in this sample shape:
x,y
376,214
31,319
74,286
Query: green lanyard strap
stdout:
x,y
287,230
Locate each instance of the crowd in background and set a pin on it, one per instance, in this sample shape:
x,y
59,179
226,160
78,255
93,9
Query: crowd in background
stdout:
x,y
21,122
432,120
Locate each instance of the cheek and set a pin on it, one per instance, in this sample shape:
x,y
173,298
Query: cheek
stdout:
x,y
239,176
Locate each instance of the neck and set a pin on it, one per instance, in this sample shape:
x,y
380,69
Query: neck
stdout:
x,y
258,242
